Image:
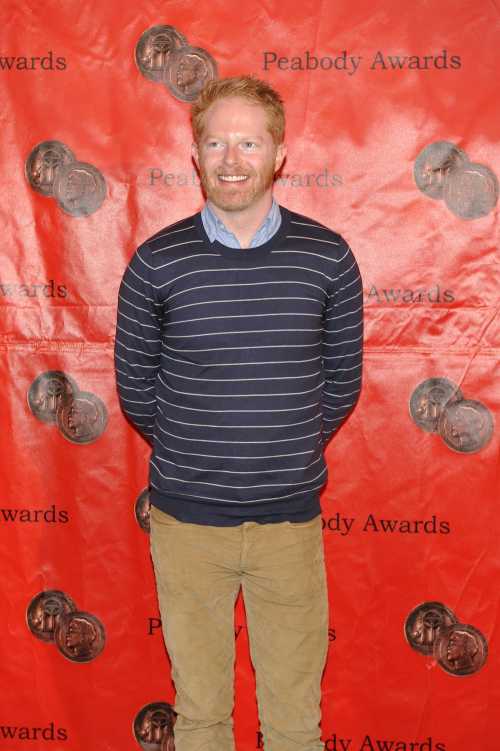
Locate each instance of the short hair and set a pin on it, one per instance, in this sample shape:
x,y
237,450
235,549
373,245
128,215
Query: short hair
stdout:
x,y
247,87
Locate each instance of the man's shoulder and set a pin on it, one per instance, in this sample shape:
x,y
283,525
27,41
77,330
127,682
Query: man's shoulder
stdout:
x,y
314,233
175,235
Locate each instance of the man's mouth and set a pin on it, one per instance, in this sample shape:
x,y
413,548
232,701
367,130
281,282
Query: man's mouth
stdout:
x,y
233,178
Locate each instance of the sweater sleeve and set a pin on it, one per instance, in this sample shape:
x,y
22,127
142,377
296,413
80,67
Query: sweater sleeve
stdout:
x,y
342,344
138,343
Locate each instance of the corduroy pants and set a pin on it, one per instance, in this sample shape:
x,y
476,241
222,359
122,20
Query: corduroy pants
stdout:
x,y
280,568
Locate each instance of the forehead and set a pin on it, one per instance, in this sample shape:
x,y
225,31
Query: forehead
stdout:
x,y
235,113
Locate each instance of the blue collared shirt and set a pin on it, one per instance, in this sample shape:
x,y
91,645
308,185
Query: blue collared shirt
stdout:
x,y
217,230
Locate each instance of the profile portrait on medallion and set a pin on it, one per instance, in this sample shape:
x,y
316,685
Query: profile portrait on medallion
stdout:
x,y
48,392
79,189
424,624
46,610
82,419
154,727
142,509
153,50
189,70
434,165
461,650
428,401
80,636
471,191
466,426
44,163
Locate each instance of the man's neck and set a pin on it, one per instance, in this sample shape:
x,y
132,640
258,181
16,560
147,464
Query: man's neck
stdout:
x,y
244,224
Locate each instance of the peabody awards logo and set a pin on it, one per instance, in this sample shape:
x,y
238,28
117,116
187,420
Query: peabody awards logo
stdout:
x,y
164,56
433,629
53,617
437,406
154,727
442,171
53,170
55,399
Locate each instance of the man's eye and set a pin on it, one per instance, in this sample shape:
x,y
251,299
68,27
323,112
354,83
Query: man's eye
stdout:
x,y
249,145
213,144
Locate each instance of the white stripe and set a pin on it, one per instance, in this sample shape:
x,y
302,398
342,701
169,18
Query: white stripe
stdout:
x,y
308,224
340,344
183,258
308,253
139,351
228,364
249,315
237,411
223,456
235,487
237,427
239,269
243,284
318,240
237,471
138,307
213,440
348,299
343,315
238,396
341,383
176,245
329,332
173,232
135,364
243,299
234,503
137,336
257,346
351,354
140,323
249,331
243,380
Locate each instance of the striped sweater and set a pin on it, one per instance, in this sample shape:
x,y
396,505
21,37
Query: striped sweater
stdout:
x,y
238,365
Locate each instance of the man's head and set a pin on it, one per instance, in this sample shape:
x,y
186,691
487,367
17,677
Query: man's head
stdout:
x,y
238,126
253,90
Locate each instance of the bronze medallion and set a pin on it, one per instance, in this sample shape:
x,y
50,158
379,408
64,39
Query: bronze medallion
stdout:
x,y
142,508
79,189
82,419
44,163
428,401
80,636
425,623
466,426
153,50
471,191
461,649
154,727
48,392
435,164
189,70
45,611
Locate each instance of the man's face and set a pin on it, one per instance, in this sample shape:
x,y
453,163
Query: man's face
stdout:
x,y
236,155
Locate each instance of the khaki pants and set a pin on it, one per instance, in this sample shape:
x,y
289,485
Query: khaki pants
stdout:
x,y
280,568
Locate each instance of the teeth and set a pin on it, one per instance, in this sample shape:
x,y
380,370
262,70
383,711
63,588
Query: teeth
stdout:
x,y
232,178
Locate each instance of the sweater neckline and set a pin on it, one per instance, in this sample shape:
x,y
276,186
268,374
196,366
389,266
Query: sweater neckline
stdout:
x,y
245,256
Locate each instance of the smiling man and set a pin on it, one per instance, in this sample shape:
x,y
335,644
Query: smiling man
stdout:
x,y
238,356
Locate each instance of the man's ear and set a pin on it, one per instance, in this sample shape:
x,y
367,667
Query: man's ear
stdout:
x,y
195,153
280,156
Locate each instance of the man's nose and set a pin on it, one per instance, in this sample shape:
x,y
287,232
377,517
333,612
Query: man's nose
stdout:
x,y
231,154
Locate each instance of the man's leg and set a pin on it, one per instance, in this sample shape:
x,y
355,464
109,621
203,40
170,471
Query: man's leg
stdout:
x,y
284,588
198,579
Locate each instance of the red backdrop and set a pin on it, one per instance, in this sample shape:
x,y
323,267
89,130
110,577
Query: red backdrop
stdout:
x,y
367,87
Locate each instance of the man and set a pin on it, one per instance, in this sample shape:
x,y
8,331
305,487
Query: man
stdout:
x,y
238,355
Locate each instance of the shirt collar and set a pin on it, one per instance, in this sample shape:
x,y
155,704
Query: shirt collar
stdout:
x,y
217,230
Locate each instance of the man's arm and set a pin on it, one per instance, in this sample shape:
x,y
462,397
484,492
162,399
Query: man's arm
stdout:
x,y
138,343
342,344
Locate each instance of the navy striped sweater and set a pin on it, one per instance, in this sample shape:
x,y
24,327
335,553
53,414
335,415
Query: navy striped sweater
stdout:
x,y
238,365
